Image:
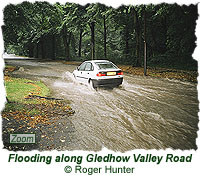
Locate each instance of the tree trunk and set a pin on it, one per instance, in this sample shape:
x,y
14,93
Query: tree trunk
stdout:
x,y
145,45
66,41
30,50
138,48
67,51
138,38
127,42
37,50
80,43
67,47
53,54
92,25
42,48
164,24
105,36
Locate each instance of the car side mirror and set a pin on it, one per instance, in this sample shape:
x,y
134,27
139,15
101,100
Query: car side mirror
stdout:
x,y
77,68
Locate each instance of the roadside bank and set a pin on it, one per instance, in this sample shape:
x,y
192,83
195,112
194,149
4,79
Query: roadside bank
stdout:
x,y
29,109
182,75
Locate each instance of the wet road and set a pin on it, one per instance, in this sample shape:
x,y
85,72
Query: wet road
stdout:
x,y
145,113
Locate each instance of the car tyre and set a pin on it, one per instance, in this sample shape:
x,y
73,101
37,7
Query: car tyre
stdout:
x,y
91,83
74,76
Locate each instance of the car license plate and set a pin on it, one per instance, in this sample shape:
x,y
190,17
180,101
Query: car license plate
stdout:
x,y
111,73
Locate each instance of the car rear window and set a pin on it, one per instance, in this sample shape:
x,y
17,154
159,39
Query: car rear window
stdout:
x,y
105,65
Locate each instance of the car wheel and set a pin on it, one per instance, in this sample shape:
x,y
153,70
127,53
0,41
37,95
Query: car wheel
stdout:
x,y
74,76
92,84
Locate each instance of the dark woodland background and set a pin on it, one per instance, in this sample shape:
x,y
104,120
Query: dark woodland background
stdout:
x,y
94,31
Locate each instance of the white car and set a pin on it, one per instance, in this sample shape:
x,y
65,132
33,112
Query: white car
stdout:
x,y
99,73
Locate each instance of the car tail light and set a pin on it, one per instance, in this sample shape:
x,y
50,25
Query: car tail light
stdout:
x,y
100,74
119,73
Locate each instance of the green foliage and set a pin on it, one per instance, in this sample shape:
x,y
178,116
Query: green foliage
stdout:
x,y
17,89
75,32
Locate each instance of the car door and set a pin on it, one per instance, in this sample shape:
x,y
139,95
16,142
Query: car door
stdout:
x,y
80,72
88,71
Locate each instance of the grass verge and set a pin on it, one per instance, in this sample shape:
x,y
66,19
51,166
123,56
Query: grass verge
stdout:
x,y
18,88
25,102
30,110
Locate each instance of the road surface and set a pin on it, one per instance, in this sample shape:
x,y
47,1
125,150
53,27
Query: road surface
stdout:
x,y
144,113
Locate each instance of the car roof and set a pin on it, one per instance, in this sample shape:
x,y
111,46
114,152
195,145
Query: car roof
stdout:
x,y
94,61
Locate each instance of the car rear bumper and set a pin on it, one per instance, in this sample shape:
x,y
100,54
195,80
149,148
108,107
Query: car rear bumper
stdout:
x,y
108,82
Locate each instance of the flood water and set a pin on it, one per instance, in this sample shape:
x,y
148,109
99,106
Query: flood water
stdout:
x,y
144,113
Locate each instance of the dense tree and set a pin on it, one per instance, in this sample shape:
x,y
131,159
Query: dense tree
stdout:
x,y
124,21
95,31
